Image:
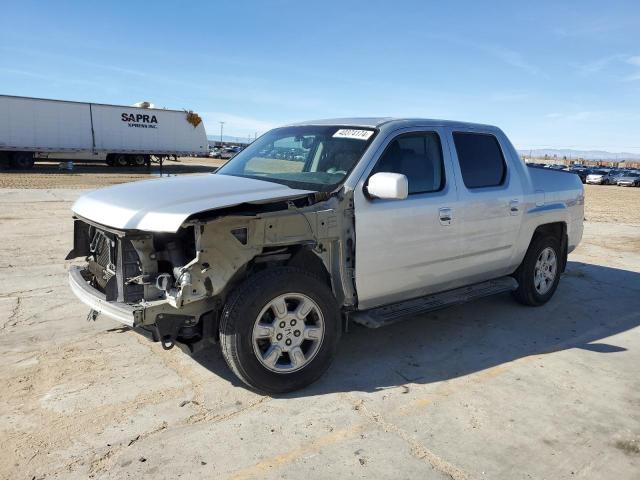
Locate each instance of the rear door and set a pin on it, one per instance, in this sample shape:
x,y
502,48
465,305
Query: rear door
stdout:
x,y
490,209
408,248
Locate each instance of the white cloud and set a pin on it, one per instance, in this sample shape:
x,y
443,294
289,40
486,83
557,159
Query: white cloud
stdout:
x,y
510,57
234,125
599,64
617,59
509,96
634,60
500,52
574,116
49,78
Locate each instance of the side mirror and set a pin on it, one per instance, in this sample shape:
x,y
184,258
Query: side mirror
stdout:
x,y
394,186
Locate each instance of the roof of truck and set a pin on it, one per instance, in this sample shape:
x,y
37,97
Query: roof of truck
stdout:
x,y
89,103
377,122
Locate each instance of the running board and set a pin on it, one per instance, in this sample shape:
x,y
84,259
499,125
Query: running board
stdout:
x,y
388,314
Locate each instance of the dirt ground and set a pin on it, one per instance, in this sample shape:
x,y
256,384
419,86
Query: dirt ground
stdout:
x,y
490,389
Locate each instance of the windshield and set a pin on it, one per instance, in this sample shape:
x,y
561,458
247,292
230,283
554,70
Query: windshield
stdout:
x,y
309,157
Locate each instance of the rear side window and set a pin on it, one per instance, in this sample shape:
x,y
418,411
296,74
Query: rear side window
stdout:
x,y
481,160
418,156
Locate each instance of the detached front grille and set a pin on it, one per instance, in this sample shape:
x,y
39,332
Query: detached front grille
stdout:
x,y
103,251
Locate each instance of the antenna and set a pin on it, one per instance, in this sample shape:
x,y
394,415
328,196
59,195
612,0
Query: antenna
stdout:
x,y
221,127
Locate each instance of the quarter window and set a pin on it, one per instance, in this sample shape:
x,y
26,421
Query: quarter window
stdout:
x,y
418,156
480,158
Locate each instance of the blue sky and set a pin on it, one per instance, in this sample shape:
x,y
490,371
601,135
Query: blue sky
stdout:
x,y
551,74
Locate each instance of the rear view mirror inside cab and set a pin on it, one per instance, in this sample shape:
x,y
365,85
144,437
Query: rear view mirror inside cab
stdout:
x,y
387,185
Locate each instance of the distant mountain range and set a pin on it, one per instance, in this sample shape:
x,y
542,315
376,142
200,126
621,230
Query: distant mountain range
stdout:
x,y
575,154
228,138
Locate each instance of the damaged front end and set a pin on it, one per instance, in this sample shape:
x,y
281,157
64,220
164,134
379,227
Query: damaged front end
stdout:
x,y
137,278
175,284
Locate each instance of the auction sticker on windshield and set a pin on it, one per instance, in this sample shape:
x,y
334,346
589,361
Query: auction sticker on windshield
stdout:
x,y
354,134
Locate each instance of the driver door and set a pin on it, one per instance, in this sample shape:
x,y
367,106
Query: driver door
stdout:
x,y
408,248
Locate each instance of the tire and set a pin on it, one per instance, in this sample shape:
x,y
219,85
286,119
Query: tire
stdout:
x,y
5,160
120,161
22,160
109,160
530,290
138,160
249,313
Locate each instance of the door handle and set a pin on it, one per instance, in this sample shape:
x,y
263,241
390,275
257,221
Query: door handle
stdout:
x,y
514,207
446,216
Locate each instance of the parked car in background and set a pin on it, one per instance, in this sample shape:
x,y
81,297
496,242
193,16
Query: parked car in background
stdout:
x,y
230,152
582,172
617,174
630,179
600,177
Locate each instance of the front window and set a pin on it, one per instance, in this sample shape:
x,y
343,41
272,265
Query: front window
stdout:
x,y
418,156
307,157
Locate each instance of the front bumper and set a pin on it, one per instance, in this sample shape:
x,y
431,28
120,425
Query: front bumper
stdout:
x,y
96,300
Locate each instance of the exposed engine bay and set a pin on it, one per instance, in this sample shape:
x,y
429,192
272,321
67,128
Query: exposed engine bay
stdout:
x,y
178,281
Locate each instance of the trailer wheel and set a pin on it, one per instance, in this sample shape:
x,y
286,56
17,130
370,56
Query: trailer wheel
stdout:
x,y
22,160
4,159
121,161
109,160
139,160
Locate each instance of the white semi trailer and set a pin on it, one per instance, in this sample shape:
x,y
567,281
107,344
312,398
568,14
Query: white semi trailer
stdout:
x,y
36,128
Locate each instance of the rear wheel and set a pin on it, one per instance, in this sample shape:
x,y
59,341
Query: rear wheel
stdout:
x,y
280,329
539,273
22,160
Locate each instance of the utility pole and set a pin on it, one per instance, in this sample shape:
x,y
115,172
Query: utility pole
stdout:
x,y
221,126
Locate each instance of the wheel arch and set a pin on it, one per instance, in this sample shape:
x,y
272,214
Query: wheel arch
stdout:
x,y
559,231
298,256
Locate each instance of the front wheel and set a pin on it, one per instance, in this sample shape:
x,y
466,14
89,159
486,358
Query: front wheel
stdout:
x,y
279,330
539,273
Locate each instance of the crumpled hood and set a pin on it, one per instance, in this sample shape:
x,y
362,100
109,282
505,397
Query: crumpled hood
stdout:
x,y
162,205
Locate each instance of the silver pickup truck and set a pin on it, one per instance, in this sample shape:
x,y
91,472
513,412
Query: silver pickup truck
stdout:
x,y
317,224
